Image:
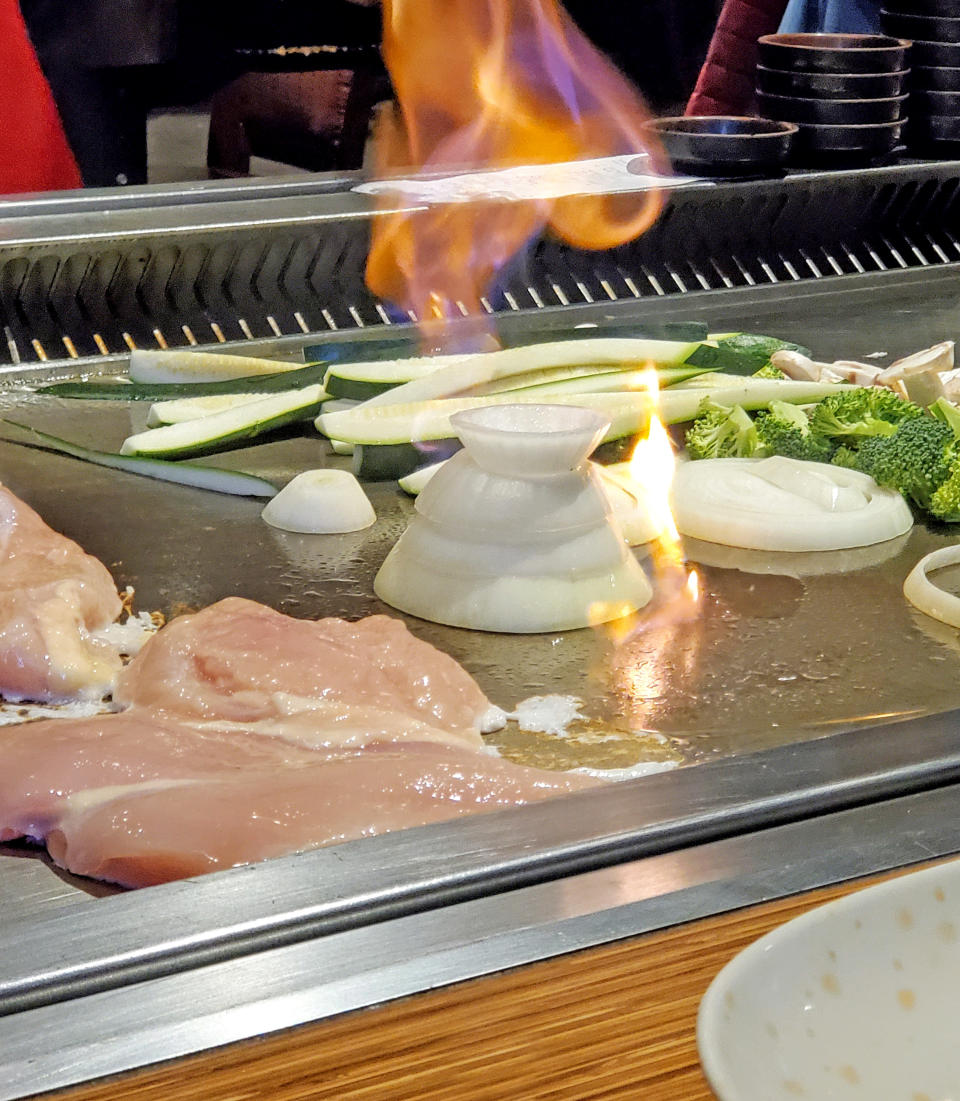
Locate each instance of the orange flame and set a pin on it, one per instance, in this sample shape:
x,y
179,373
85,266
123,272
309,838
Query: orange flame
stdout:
x,y
494,84
677,589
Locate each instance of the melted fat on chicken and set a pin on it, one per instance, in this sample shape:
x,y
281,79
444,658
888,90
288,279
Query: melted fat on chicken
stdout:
x,y
52,596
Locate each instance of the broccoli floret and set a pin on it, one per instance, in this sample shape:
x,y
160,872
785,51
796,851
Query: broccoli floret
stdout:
x,y
769,371
723,432
945,501
844,456
785,430
917,459
862,412
944,410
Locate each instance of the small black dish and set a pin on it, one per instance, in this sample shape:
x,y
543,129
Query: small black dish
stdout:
x,y
949,8
780,82
833,53
851,144
930,129
929,28
846,112
935,54
940,79
946,104
724,145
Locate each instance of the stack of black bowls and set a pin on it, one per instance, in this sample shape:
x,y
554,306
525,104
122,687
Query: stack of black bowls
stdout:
x,y
933,26
845,92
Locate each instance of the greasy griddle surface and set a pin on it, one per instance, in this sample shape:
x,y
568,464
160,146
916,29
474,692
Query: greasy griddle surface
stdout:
x,y
775,657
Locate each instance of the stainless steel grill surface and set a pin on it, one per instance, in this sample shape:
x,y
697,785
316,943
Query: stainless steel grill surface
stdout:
x,y
818,709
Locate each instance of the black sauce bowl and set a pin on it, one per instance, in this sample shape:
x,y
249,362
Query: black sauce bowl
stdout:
x,y
940,79
833,53
934,129
724,145
848,112
949,8
782,82
935,54
928,28
846,144
945,104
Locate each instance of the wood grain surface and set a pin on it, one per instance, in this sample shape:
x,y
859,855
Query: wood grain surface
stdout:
x,y
611,1022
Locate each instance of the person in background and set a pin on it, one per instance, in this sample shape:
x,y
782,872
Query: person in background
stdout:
x,y
34,154
659,45
101,58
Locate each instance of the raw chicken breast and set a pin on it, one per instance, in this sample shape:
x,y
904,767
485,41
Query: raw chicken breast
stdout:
x,y
244,661
164,831
329,725
52,595
42,763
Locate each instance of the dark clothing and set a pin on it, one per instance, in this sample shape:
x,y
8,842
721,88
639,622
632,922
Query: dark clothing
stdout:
x,y
726,82
109,62
97,34
255,24
658,44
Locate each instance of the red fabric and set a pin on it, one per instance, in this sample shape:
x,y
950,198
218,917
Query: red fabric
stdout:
x,y
34,154
726,82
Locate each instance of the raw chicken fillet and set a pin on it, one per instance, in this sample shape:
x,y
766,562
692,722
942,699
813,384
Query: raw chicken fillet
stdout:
x,y
248,735
52,596
241,660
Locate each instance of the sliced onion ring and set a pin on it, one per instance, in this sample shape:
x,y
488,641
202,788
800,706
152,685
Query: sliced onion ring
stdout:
x,y
781,504
929,598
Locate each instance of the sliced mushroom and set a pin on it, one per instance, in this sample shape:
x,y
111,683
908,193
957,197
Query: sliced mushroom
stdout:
x,y
917,377
796,365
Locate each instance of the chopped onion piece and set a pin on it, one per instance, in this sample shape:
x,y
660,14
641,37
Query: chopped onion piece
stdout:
x,y
929,598
321,502
785,505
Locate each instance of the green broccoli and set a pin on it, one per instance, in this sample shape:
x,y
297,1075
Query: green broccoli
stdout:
x,y
860,413
723,432
769,371
945,500
844,456
944,410
785,430
917,459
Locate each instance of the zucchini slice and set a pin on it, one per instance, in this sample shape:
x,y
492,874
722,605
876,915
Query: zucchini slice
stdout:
x,y
190,409
467,372
177,365
403,344
391,461
188,474
628,412
411,484
605,381
366,379
221,431
120,390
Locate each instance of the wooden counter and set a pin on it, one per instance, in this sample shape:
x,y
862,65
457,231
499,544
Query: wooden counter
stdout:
x,y
616,1021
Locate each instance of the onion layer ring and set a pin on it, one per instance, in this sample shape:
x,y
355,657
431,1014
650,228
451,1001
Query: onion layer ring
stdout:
x,y
929,598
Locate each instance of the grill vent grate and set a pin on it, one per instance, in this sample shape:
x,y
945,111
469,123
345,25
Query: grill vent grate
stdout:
x,y
79,300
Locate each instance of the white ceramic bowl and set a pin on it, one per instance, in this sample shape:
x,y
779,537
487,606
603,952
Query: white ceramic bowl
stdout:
x,y
858,999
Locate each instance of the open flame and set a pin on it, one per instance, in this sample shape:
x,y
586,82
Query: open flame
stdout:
x,y
652,466
493,84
